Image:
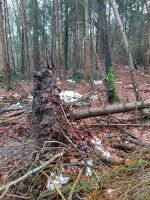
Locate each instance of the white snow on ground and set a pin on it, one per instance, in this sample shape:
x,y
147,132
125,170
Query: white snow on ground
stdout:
x,y
98,82
16,105
69,96
71,81
57,181
98,146
88,169
94,97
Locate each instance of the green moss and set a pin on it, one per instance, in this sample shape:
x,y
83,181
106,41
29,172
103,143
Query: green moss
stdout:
x,y
113,96
111,79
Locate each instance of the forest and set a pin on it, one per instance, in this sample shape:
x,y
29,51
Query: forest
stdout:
x,y
75,99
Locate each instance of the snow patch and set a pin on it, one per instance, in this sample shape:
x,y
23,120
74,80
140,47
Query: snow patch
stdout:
x,y
57,181
69,96
16,105
98,146
88,169
30,97
71,81
98,82
94,97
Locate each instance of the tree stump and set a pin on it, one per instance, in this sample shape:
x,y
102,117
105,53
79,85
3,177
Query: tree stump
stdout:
x,y
48,120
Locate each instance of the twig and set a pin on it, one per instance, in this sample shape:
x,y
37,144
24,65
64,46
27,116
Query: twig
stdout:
x,y
23,87
74,185
95,125
3,110
33,171
19,112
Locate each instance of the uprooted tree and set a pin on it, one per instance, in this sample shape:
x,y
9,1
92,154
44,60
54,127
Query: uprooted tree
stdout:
x,y
48,119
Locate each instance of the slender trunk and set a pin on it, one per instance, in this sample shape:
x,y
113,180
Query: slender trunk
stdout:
x,y
36,56
25,38
10,35
74,35
66,39
127,48
147,53
87,61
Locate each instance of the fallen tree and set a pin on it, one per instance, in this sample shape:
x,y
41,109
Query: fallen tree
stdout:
x,y
110,109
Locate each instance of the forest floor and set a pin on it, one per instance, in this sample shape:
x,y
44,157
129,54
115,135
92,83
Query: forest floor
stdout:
x,y
125,138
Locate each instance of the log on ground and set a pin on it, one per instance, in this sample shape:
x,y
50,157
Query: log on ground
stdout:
x,y
110,109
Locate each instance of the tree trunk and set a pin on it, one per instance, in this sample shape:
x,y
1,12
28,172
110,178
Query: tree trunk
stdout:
x,y
74,35
25,38
127,48
147,53
111,109
3,51
87,61
7,18
66,39
109,77
36,56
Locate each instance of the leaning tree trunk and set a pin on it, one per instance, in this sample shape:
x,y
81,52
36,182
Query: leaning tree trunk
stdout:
x,y
48,121
127,48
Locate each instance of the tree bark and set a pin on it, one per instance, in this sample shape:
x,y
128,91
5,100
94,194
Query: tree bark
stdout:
x,y
36,56
3,51
127,48
25,38
48,121
147,53
111,109
74,36
87,61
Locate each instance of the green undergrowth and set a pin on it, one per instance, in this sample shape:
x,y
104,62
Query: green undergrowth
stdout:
x,y
7,87
77,76
97,77
17,76
130,181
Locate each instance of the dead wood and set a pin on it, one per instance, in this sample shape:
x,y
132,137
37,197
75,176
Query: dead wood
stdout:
x,y
48,121
9,109
111,109
15,113
124,147
123,125
109,159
